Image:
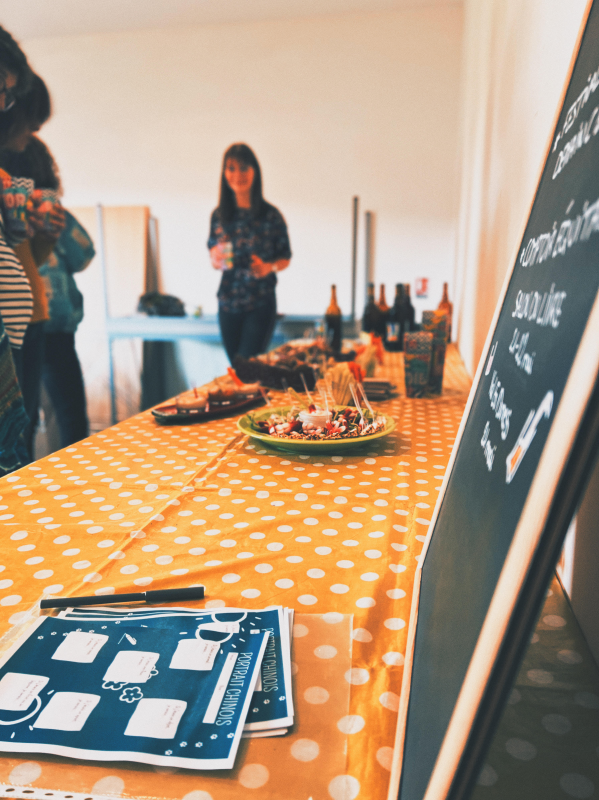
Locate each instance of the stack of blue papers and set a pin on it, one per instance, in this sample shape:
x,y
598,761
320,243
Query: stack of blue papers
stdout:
x,y
165,686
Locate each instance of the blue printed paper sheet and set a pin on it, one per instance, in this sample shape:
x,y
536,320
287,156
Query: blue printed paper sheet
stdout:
x,y
271,708
162,691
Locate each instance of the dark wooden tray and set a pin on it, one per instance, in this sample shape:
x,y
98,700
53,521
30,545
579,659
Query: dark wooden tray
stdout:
x,y
169,414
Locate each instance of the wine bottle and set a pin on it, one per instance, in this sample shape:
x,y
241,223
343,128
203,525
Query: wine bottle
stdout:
x,y
383,314
395,322
371,312
332,321
409,313
447,306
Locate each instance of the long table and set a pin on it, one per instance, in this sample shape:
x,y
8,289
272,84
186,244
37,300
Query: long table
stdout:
x,y
143,505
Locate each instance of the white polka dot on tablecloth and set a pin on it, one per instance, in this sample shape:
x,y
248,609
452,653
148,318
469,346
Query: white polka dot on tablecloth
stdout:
x,y
350,724
361,635
325,651
540,676
487,776
576,785
198,794
521,749
556,723
344,787
307,599
384,755
27,772
316,695
357,676
110,784
305,750
394,624
11,600
554,621
253,776
389,700
569,657
393,659
366,602
339,588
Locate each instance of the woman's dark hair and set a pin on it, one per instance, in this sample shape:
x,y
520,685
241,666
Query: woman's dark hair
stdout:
x,y
13,59
34,162
31,110
227,204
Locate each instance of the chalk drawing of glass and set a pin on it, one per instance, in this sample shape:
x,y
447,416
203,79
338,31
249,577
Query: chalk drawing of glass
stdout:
x,y
527,434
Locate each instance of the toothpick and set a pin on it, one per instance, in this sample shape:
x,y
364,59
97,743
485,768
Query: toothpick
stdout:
x,y
367,404
264,394
354,394
306,388
323,396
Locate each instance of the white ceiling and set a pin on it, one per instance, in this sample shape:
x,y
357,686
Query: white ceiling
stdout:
x,y
26,19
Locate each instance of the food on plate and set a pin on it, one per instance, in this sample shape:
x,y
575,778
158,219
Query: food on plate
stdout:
x,y
321,424
218,394
287,363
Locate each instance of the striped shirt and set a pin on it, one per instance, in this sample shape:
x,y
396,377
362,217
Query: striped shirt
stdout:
x,y
16,299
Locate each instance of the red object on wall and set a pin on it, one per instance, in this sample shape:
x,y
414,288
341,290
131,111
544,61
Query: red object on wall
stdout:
x,y
421,287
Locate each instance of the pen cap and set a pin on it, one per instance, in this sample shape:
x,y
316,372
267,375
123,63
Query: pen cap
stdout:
x,y
170,595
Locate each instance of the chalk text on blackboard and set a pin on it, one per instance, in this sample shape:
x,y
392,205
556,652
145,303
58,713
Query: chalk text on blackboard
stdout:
x,y
502,412
543,309
518,349
577,106
588,128
540,248
488,449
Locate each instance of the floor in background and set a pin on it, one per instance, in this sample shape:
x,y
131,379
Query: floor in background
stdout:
x,y
547,742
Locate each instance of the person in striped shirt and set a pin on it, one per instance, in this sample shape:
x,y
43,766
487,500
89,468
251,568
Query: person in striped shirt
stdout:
x,y
15,79
16,299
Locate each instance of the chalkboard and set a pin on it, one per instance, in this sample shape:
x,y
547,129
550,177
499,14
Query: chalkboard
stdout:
x,y
523,453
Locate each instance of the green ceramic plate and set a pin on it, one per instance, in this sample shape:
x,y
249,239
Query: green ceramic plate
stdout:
x,y
246,425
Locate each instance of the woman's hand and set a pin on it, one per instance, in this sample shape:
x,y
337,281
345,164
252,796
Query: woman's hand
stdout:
x,y
57,221
216,257
260,269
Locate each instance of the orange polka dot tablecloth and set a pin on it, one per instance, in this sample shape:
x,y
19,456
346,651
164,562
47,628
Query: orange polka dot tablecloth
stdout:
x,y
143,505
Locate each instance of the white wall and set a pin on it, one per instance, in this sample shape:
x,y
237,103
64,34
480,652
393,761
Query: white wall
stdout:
x,y
334,106
516,58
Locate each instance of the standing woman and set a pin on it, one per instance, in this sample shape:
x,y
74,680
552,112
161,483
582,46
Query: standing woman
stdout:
x,y
249,243
15,79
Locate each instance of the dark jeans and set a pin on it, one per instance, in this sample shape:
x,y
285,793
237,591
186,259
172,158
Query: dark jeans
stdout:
x,y
63,381
247,333
32,354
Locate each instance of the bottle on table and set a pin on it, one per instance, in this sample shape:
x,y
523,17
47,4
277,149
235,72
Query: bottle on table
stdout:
x,y
395,322
409,312
370,318
383,314
447,306
332,321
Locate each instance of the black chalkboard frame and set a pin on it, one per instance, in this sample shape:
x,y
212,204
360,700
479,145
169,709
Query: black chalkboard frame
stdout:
x,y
562,473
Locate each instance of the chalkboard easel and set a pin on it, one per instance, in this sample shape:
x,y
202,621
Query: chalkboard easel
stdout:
x,y
524,452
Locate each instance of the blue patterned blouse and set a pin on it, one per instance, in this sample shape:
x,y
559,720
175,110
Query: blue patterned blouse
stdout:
x,y
267,237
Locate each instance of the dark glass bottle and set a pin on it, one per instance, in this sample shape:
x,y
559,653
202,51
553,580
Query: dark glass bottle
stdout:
x,y
395,326
383,314
370,319
332,321
409,313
